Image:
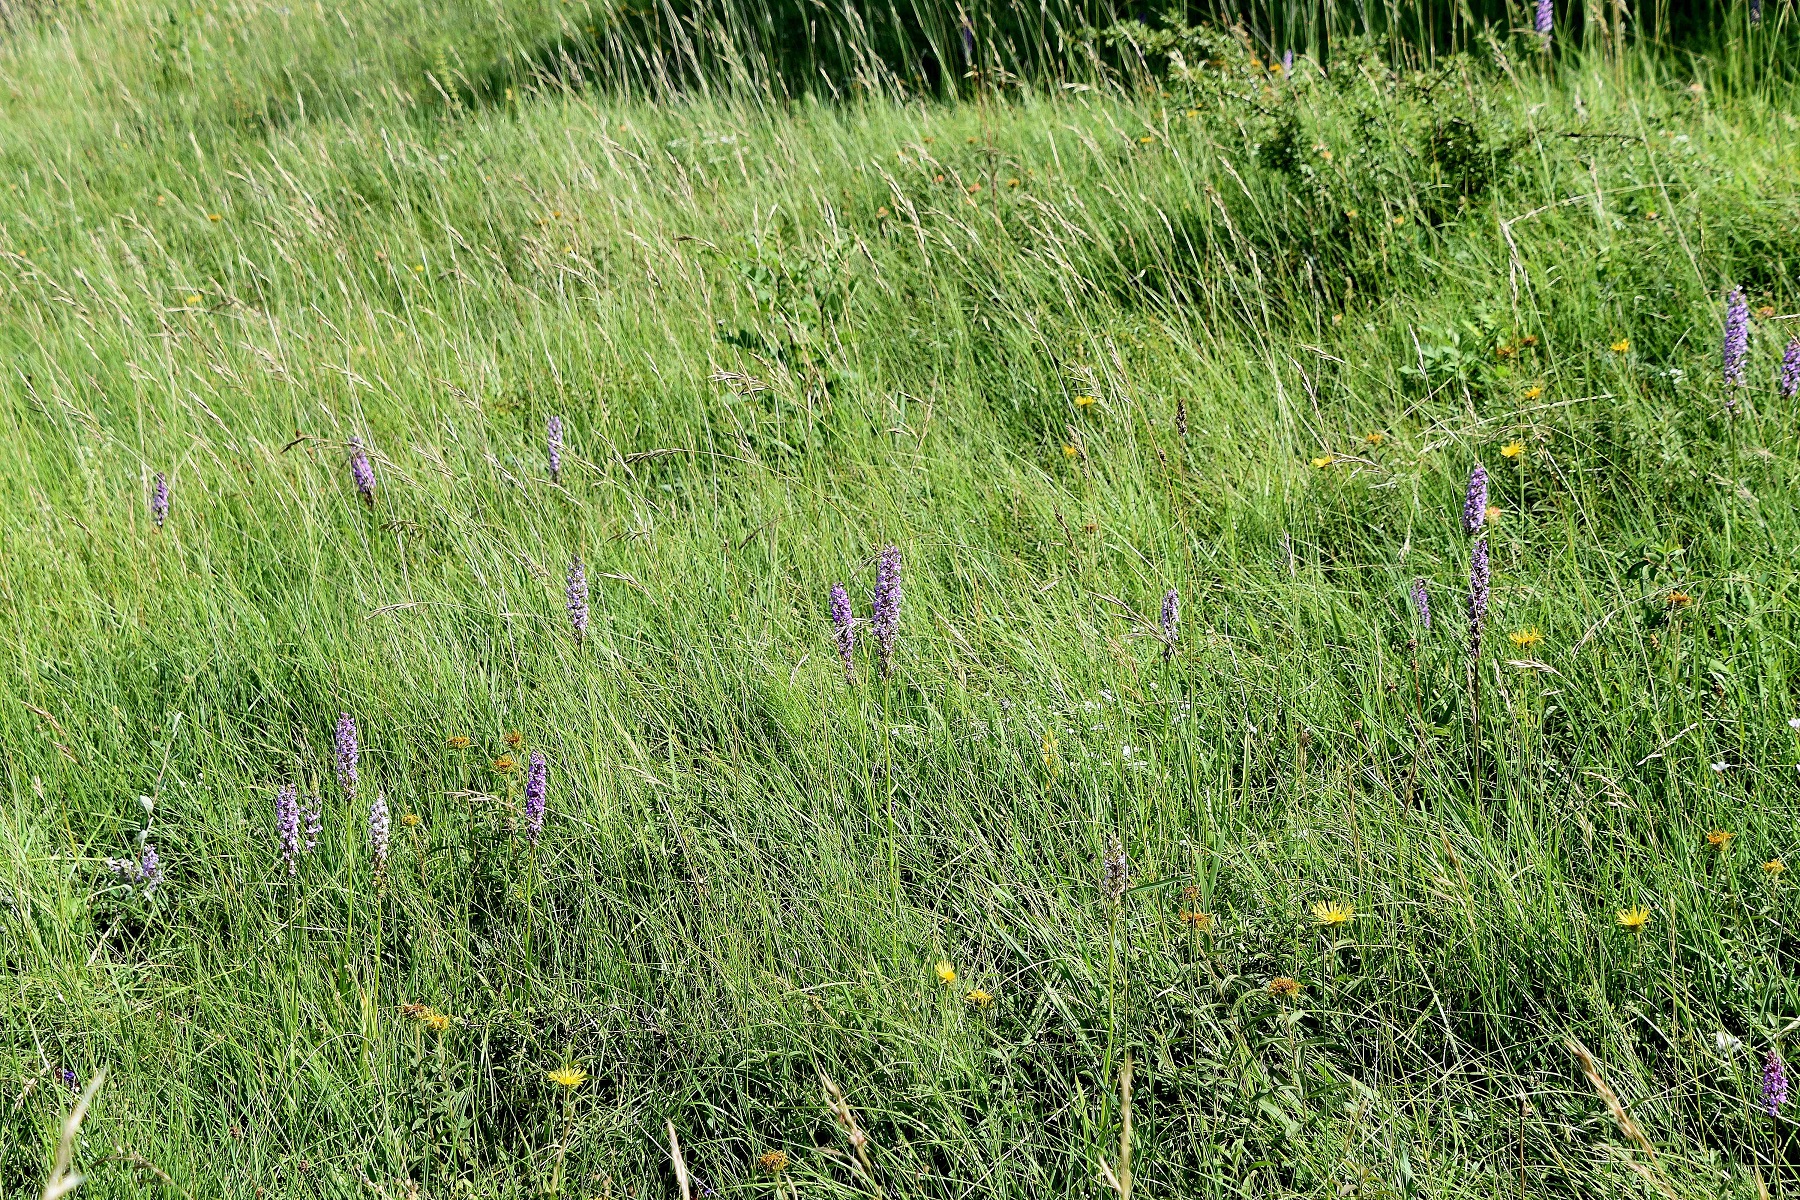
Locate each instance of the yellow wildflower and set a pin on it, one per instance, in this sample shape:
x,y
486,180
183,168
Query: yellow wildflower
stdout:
x,y
192,299
1083,401
1774,866
567,1077
1281,985
1720,839
1621,346
979,998
773,1161
945,972
1525,639
515,738
1534,391
505,763
459,742
1201,921
1069,451
410,819
1333,912
1512,449
1375,438
437,1022
1324,460
1493,513
1634,918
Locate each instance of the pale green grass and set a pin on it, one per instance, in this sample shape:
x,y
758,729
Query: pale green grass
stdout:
x,y
779,341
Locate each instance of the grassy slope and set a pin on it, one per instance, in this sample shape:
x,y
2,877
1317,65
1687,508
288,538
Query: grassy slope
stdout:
x,y
749,868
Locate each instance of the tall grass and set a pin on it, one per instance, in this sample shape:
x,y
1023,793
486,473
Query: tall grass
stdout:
x,y
1068,342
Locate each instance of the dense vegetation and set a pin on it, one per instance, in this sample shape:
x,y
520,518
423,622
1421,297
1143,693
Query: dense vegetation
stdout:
x,y
1272,886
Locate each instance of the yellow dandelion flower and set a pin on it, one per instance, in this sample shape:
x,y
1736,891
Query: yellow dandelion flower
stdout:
x,y
1512,450
567,1077
1680,599
437,1022
1634,918
1083,401
192,299
459,742
1525,639
1720,839
1621,346
1323,461
1774,866
979,998
1281,985
1201,921
945,972
1374,438
214,217
411,819
1534,391
1145,141
773,1161
1333,912
1069,451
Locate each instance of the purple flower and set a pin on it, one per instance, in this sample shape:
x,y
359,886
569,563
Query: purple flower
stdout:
x,y
159,500
578,600
844,622
361,472
1475,503
1546,17
346,753
1171,618
379,830
1479,578
1421,603
1790,370
553,444
68,1079
149,869
287,825
1287,62
1774,1083
313,820
886,619
537,775
1737,336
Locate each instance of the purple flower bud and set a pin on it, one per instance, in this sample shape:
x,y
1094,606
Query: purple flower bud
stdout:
x,y
287,825
346,753
379,831
361,472
537,776
1475,503
1737,336
578,600
1171,618
886,619
1774,1083
1790,370
1479,579
553,445
159,500
844,622
1287,62
68,1080
149,869
1546,17
1421,603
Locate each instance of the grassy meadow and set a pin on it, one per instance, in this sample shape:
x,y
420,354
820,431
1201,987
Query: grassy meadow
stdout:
x,y
1289,896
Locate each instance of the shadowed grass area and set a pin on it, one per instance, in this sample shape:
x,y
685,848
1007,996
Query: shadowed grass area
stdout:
x,y
1223,330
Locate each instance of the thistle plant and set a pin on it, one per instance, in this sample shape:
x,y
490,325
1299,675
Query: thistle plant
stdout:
x,y
361,472
553,445
537,778
347,753
1171,619
159,500
576,598
843,623
885,622
1736,342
